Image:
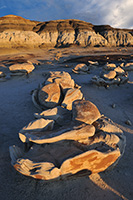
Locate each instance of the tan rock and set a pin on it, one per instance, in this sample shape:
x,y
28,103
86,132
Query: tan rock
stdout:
x,y
70,96
24,67
62,78
81,67
49,95
128,67
119,70
110,75
110,66
92,161
57,114
2,74
85,111
35,126
16,38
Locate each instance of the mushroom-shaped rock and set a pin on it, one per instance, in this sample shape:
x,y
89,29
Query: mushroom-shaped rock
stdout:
x,y
70,96
24,68
85,111
49,95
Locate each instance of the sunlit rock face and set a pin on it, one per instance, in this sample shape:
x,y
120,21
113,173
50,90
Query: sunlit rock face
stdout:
x,y
16,23
60,33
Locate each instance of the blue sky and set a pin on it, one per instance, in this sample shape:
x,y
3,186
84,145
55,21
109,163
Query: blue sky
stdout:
x,y
117,13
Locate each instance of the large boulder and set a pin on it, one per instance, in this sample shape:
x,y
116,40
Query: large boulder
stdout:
x,y
49,95
85,111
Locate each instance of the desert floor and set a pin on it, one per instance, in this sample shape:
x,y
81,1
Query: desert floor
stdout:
x,y
17,109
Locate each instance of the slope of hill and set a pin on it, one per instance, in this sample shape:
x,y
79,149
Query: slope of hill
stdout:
x,y
16,31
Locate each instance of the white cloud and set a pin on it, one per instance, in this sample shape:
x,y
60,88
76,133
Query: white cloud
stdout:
x,y
2,7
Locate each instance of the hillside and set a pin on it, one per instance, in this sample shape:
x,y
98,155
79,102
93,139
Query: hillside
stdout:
x,y
16,31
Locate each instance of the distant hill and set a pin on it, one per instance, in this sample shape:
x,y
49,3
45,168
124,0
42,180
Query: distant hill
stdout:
x,y
16,31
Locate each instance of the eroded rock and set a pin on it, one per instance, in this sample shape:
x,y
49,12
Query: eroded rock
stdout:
x,y
49,95
22,68
86,141
85,111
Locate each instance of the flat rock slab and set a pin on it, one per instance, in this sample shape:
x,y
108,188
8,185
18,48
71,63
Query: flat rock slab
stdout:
x,y
24,67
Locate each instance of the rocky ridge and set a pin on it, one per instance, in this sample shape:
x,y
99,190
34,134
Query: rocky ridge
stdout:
x,y
16,31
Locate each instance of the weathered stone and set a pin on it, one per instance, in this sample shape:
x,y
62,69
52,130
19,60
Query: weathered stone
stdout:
x,y
24,67
58,114
81,67
91,63
85,111
128,67
110,66
70,96
2,74
62,78
35,126
119,70
128,122
49,95
110,75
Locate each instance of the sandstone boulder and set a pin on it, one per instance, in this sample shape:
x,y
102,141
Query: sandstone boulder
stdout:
x,y
128,67
49,95
85,111
22,68
110,75
110,66
81,68
35,126
62,78
2,74
70,96
58,114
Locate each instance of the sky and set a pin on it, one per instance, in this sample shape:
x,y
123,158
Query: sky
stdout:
x,y
117,13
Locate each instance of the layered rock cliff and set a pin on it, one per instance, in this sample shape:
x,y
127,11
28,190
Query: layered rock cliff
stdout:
x,y
19,32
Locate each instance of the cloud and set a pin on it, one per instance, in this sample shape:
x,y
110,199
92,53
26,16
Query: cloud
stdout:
x,y
2,7
117,13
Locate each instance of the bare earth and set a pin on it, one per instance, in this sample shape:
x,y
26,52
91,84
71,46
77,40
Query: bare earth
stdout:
x,y
17,109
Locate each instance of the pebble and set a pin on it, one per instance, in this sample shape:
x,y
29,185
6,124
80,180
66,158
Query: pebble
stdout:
x,y
113,105
128,122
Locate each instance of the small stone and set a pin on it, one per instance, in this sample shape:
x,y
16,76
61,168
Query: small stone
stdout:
x,y
128,122
113,105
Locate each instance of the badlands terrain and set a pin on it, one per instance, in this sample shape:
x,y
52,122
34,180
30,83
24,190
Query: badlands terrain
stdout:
x,y
28,51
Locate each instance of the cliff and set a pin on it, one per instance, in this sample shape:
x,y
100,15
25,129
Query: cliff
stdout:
x,y
16,31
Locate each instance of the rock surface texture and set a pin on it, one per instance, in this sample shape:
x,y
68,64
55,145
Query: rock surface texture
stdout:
x,y
16,31
86,142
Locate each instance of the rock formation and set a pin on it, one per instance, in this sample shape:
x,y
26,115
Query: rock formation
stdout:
x,y
16,31
58,146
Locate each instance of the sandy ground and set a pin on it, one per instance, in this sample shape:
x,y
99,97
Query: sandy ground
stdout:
x,y
17,109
